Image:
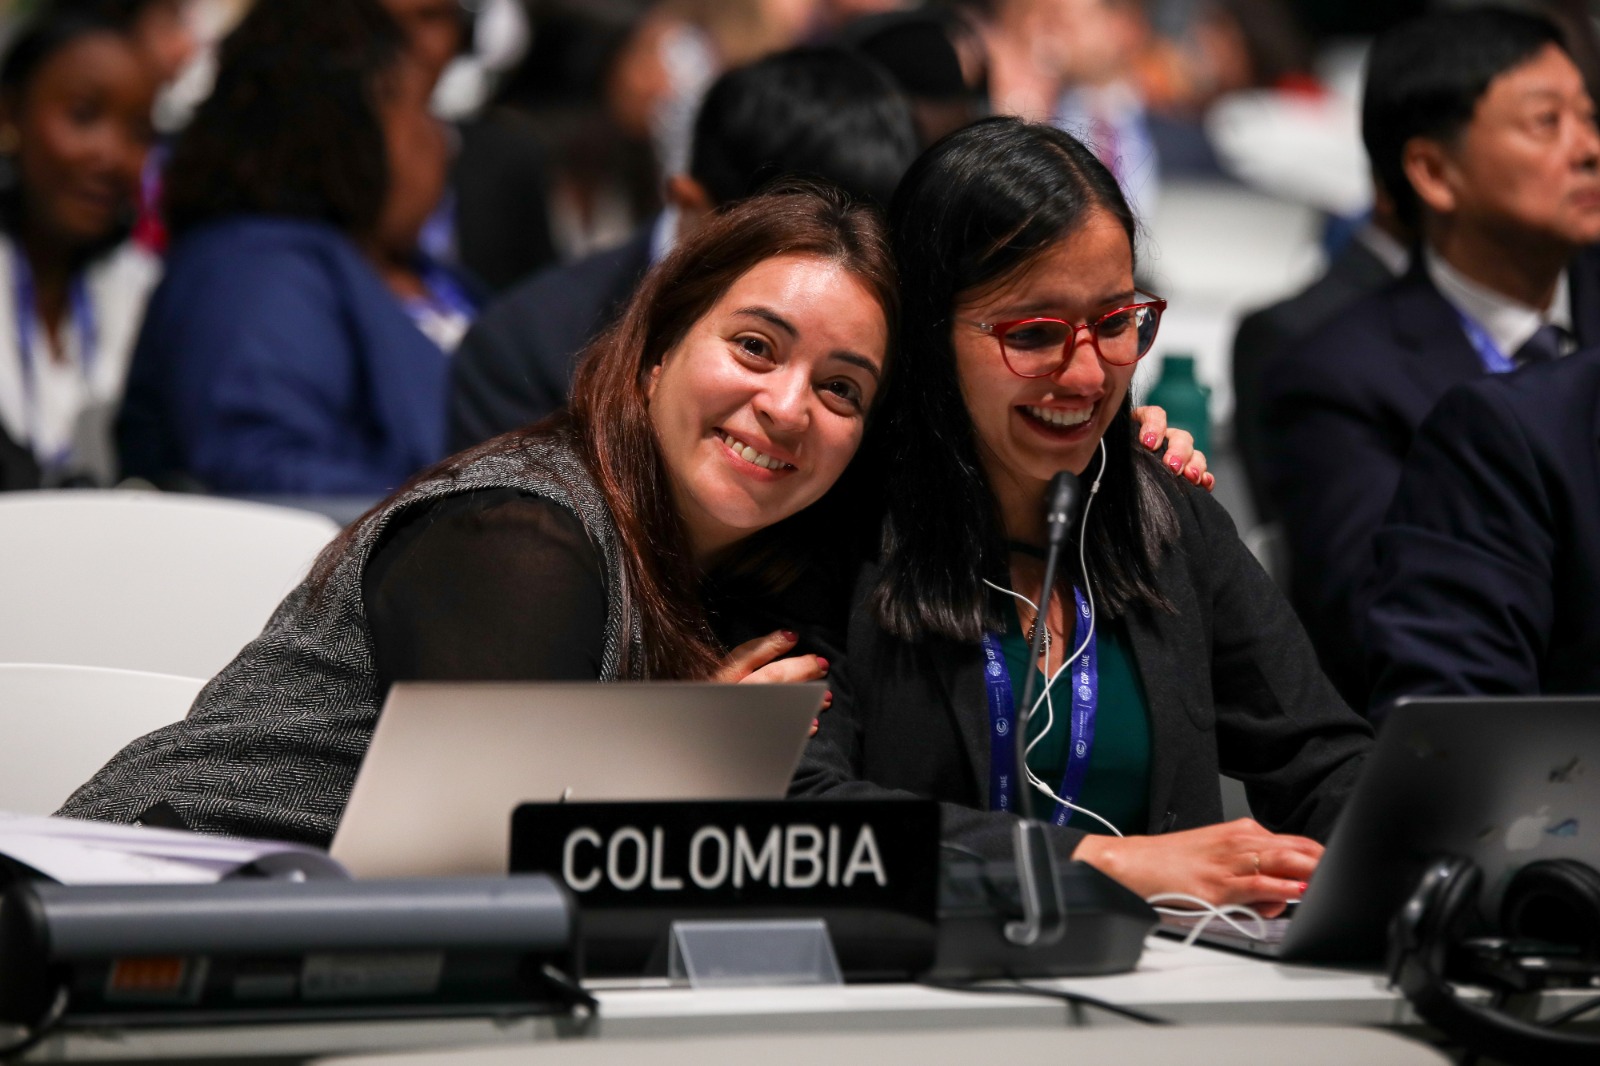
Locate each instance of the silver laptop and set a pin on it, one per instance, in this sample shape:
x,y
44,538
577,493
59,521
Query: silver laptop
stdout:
x,y
449,761
1503,781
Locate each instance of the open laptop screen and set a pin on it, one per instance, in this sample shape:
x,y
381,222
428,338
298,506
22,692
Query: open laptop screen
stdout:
x,y
450,761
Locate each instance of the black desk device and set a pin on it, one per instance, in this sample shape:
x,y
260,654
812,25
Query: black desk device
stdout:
x,y
257,950
1104,925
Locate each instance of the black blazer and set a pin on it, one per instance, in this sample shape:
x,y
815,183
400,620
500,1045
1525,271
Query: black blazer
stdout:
x,y
1262,334
1232,683
1340,414
1488,578
514,366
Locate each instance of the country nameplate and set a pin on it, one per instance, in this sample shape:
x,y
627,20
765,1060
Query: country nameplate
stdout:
x,y
867,867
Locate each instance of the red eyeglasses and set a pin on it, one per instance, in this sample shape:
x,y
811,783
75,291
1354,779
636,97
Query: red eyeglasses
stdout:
x,y
1040,347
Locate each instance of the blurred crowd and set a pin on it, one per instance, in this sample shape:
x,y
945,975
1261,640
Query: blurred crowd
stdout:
x,y
311,247
330,160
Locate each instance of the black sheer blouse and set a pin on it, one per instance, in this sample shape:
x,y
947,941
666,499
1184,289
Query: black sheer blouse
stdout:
x,y
500,584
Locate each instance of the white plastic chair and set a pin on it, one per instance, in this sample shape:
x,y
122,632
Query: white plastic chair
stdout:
x,y
60,724
144,580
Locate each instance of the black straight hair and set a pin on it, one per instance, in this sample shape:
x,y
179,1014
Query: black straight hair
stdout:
x,y
975,209
1426,76
292,126
823,113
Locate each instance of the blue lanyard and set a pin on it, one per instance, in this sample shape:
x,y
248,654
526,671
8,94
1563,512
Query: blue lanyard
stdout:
x,y
1084,678
445,292
444,304
88,345
1494,360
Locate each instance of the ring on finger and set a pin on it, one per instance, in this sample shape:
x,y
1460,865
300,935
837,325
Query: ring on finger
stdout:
x,y
1256,859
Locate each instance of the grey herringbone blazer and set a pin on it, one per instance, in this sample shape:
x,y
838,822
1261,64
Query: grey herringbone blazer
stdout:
x,y
272,744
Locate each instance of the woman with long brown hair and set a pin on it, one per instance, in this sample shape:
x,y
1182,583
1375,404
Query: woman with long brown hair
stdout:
x,y
621,540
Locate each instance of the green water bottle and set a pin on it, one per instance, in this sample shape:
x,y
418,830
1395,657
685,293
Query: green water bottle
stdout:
x,y
1186,401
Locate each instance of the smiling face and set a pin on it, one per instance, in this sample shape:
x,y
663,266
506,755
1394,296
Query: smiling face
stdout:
x,y
1530,158
1027,429
83,127
762,405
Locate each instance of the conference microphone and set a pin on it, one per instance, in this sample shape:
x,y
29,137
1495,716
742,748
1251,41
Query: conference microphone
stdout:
x,y
1043,915
1065,493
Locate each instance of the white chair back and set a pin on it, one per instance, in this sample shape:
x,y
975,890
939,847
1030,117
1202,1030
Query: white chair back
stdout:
x,y
60,724
143,580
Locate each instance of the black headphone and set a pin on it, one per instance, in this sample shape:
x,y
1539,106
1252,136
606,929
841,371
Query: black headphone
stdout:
x,y
1551,907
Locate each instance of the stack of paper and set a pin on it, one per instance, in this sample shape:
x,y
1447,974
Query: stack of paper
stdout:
x,y
76,852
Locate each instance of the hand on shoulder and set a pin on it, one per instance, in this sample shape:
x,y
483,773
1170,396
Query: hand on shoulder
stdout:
x,y
1182,458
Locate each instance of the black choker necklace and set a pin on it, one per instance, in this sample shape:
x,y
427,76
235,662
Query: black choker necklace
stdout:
x,y
1024,548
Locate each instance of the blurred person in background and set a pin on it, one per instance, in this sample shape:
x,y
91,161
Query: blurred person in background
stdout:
x,y
1379,252
1024,54
75,99
1102,102
1072,63
1481,126
570,155
1217,47
810,112
546,171
298,343
162,32
936,56
435,30
1487,581
677,50
501,180
1252,58
159,30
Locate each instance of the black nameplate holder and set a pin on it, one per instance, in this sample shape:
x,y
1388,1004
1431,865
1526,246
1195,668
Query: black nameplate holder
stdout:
x,y
869,869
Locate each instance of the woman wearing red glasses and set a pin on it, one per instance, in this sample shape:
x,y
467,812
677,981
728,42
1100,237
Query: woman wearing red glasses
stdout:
x,y
1020,332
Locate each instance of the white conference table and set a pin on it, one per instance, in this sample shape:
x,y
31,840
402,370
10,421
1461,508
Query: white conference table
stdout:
x,y
1192,985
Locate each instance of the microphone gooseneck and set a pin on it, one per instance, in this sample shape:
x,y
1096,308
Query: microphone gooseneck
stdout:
x,y
1061,505
1043,914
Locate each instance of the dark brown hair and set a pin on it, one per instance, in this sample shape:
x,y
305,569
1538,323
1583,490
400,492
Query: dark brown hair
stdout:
x,y
292,127
608,418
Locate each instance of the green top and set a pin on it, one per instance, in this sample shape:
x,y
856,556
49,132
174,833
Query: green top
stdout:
x,y
1117,786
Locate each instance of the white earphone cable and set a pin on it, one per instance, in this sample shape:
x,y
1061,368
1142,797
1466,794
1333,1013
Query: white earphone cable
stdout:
x,y
1039,619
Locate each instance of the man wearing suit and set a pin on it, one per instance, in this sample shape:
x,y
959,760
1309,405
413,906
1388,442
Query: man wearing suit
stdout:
x,y
1479,122
1488,580
810,112
1377,254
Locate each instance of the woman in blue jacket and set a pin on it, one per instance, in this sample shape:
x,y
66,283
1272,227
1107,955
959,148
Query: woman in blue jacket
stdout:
x,y
298,343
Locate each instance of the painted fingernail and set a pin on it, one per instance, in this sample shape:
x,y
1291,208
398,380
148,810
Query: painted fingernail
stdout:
x,y
822,664
1303,887
827,699
1149,440
816,723
1174,463
789,635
